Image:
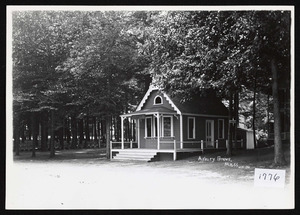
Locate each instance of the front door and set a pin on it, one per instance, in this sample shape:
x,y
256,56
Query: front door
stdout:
x,y
209,133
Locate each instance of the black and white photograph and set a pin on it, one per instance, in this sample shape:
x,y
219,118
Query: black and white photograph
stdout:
x,y
150,107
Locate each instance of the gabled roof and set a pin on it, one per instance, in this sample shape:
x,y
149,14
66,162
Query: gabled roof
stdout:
x,y
147,94
198,105
202,105
153,88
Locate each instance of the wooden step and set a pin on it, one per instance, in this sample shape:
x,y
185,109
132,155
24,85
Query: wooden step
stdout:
x,y
132,159
138,153
135,155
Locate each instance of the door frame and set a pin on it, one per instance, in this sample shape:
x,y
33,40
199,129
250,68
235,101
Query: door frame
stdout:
x,y
212,127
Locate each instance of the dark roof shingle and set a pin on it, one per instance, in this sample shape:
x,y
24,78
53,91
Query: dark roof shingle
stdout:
x,y
202,105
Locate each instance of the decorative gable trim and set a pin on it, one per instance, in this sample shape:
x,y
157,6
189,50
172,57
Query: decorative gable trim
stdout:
x,y
172,104
151,88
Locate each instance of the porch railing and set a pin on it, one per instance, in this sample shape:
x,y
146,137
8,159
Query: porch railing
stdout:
x,y
202,144
127,145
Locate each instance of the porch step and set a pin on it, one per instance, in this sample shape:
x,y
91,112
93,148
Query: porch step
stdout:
x,y
132,159
137,155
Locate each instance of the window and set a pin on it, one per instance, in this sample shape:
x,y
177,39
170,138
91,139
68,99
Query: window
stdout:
x,y
155,127
191,127
221,128
167,126
158,100
148,127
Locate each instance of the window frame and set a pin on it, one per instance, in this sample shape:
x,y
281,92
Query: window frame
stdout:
x,y
146,127
163,126
194,128
154,102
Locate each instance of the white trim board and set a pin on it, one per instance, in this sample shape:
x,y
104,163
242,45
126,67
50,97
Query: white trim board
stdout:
x,y
151,88
205,115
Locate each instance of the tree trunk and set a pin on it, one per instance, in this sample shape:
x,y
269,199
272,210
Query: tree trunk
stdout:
x,y
23,131
61,137
68,133
80,130
108,124
17,134
29,127
229,144
268,115
74,132
34,132
99,132
116,128
95,129
236,117
44,133
52,149
103,131
254,111
87,131
278,150
113,126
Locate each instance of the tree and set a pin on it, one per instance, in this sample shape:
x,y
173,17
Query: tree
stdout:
x,y
40,43
274,28
100,72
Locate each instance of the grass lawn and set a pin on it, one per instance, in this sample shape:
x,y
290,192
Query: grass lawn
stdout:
x,y
83,178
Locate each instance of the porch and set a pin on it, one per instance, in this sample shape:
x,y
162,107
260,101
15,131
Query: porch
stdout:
x,y
145,154
131,151
160,130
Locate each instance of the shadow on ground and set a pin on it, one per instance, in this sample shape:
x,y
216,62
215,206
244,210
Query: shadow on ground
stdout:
x,y
63,155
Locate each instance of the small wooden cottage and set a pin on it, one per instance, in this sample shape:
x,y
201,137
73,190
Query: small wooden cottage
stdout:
x,y
164,125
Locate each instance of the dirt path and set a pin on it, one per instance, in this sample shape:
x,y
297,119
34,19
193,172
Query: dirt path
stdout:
x,y
87,180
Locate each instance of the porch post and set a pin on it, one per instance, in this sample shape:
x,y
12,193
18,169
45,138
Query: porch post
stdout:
x,y
181,132
122,132
132,127
175,151
158,132
138,132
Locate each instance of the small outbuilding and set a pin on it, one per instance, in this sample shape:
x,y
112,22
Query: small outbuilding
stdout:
x,y
246,138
